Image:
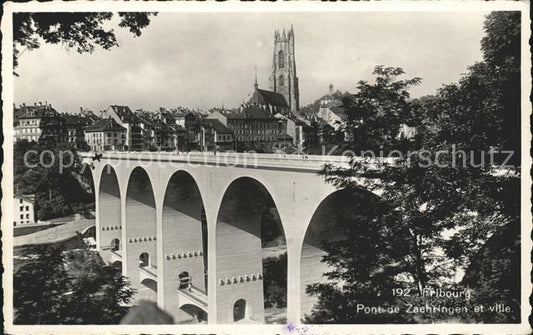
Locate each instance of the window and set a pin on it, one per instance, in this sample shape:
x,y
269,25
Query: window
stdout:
x,y
239,310
27,208
115,244
21,216
281,82
281,60
21,208
184,280
144,259
27,216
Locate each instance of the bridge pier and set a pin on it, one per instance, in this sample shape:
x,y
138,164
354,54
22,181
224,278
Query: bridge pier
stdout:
x,y
293,282
160,261
211,265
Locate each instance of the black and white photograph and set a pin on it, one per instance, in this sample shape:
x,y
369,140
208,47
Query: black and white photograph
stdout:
x,y
266,168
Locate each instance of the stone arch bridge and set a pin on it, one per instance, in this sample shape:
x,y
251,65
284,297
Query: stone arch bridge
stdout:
x,y
185,228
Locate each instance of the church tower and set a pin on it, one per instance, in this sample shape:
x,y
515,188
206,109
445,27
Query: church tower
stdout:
x,y
283,79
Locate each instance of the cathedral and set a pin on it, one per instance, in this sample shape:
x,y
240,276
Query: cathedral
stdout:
x,y
283,79
284,96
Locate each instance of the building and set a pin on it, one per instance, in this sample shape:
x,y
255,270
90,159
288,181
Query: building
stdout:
x,y
38,120
215,133
329,109
255,128
292,128
106,134
147,130
75,125
24,209
219,114
131,122
166,136
283,79
271,101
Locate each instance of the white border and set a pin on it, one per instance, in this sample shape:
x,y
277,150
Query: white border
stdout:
x,y
453,6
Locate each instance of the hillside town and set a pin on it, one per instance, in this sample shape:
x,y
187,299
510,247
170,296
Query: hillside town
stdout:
x,y
261,123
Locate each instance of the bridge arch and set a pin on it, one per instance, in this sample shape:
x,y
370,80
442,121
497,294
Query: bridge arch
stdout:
x,y
109,209
345,204
250,247
196,314
150,284
184,240
141,232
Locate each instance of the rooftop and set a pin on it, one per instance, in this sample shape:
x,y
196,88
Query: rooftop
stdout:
x,y
250,112
270,98
215,124
108,124
125,114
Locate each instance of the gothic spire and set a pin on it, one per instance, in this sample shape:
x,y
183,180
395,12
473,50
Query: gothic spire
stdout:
x,y
256,85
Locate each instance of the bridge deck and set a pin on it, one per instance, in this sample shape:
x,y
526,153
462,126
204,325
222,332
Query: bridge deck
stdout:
x,y
248,160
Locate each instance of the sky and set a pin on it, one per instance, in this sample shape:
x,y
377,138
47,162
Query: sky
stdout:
x,y
203,60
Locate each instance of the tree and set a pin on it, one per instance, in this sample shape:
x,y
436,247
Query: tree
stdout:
x,y
501,52
275,281
40,287
52,288
79,31
443,205
375,113
54,180
365,263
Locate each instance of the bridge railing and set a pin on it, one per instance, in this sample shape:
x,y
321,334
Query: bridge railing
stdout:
x,y
251,160
148,272
314,162
195,294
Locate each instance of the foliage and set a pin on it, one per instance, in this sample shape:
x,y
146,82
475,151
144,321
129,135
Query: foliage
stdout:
x,y
443,204
494,275
39,289
56,183
365,263
271,229
375,113
86,293
275,281
79,31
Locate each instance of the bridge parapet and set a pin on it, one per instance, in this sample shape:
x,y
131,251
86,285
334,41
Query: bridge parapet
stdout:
x,y
250,160
193,296
145,273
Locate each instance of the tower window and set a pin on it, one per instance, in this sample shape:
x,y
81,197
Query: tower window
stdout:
x,y
281,81
281,60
